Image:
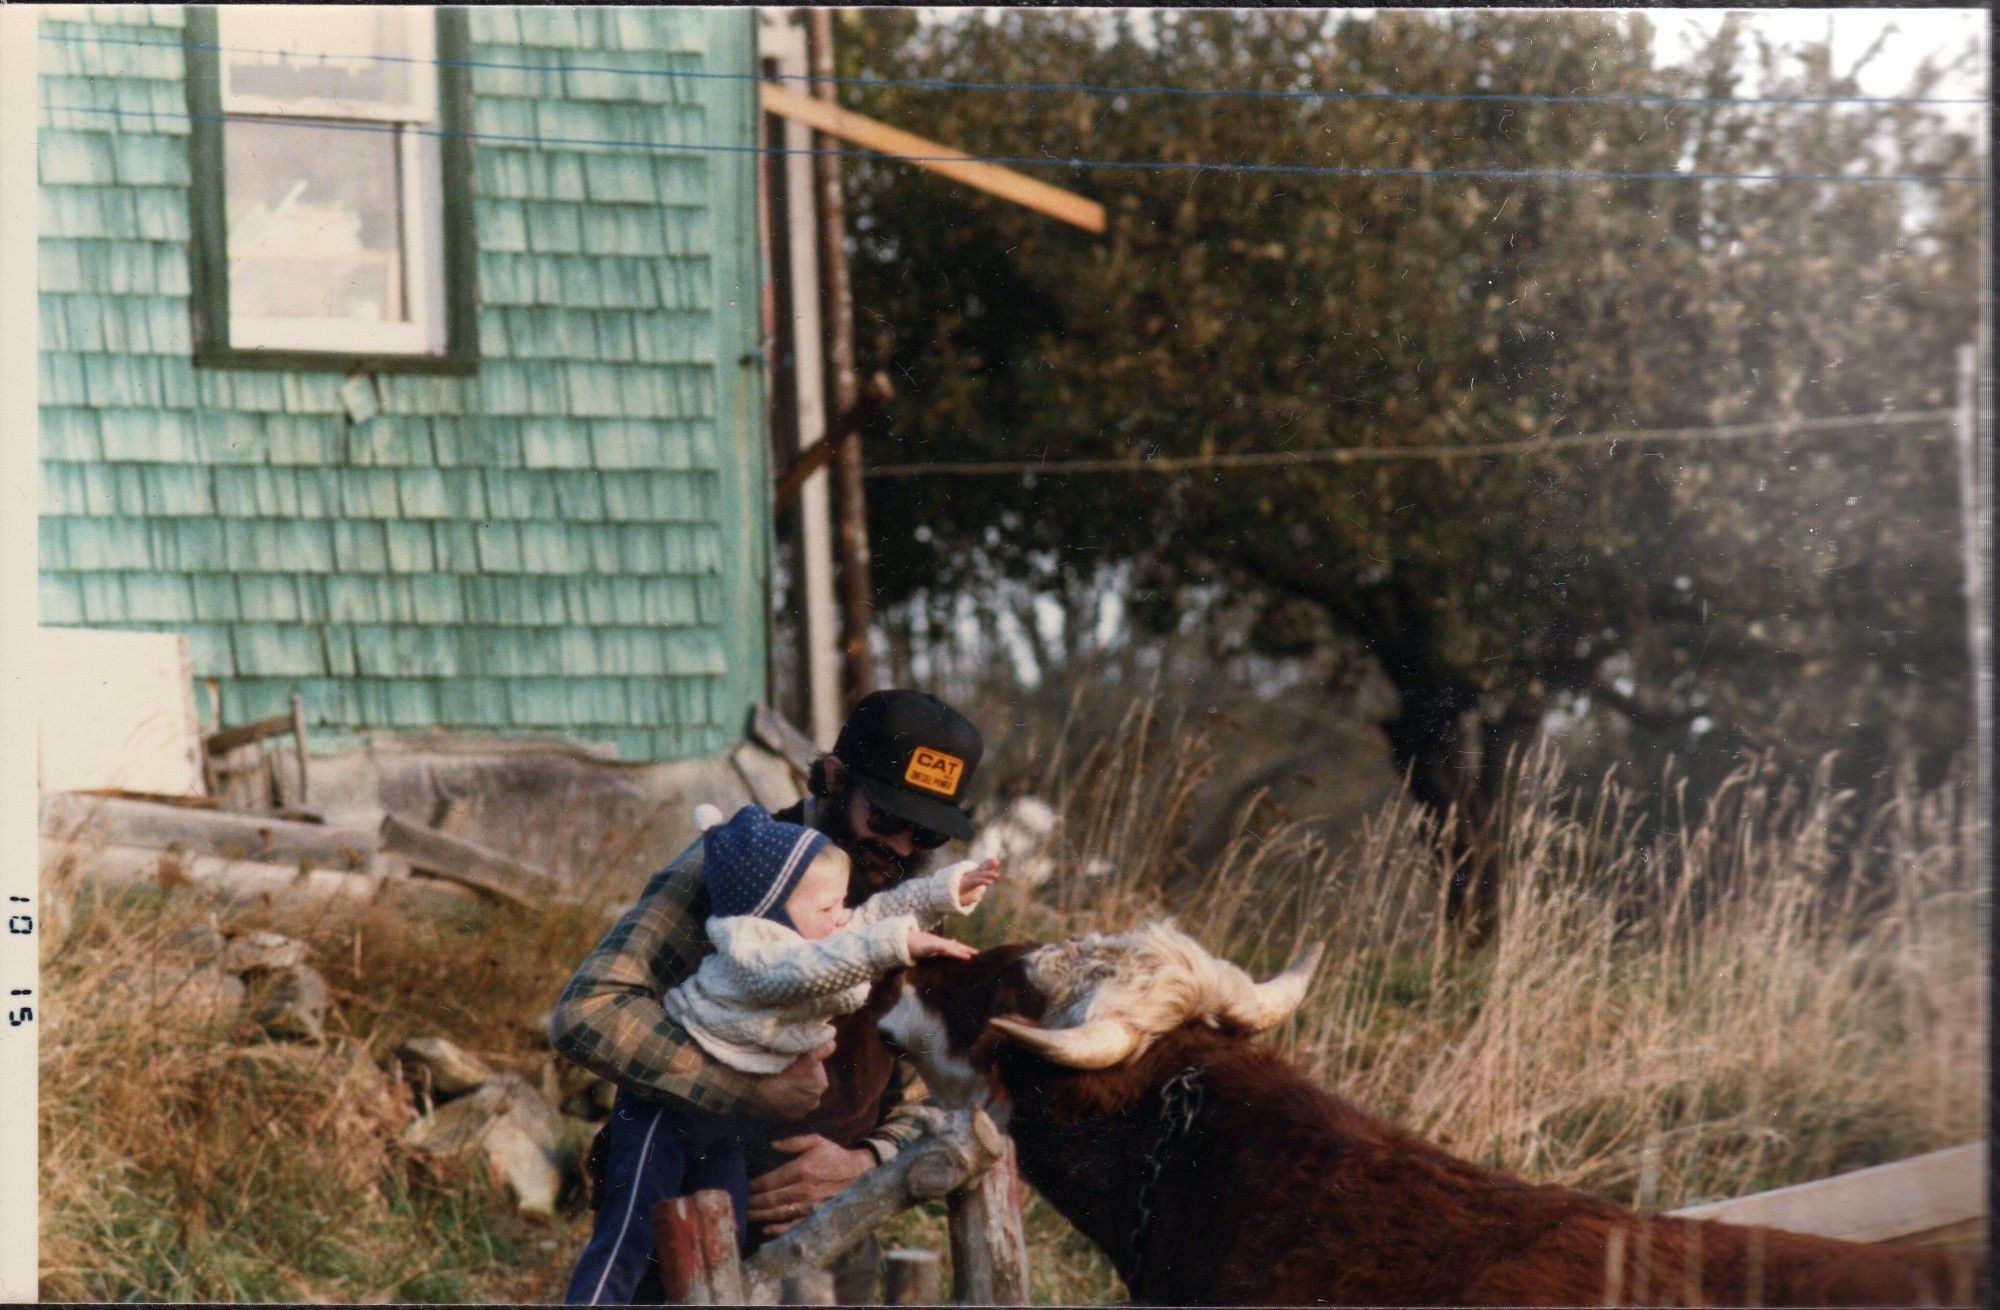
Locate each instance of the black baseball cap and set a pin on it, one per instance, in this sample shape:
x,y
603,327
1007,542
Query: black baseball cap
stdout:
x,y
912,755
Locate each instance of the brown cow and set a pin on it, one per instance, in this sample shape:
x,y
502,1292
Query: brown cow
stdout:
x,y
1211,1171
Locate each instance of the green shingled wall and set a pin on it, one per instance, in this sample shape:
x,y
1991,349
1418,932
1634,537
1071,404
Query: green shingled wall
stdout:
x,y
573,541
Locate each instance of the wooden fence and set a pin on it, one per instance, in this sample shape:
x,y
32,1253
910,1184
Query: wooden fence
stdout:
x,y
963,1160
966,1160
1937,1199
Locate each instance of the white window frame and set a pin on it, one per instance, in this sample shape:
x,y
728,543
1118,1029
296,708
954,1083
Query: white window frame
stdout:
x,y
419,333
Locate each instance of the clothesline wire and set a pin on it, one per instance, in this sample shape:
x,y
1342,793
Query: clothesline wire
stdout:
x,y
1087,88
1031,161
1358,454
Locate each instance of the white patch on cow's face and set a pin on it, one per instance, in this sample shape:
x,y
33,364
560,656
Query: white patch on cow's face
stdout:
x,y
919,1030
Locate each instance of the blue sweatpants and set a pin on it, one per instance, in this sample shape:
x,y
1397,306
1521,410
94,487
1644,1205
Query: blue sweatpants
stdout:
x,y
653,1153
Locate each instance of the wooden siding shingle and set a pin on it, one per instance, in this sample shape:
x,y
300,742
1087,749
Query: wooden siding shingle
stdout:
x,y
569,542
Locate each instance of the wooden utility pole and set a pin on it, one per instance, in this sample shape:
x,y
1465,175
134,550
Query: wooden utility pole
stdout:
x,y
842,390
1978,618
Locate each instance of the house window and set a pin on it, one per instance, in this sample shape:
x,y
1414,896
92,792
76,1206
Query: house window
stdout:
x,y
332,205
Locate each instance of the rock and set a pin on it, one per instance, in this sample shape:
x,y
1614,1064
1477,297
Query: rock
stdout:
x,y
184,995
240,952
292,1004
453,1072
518,1134
257,951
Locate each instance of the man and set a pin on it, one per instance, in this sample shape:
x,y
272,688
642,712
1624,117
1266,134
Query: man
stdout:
x,y
890,793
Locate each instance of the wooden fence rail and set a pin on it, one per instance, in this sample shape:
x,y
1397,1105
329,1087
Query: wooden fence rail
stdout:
x,y
964,1160
1937,1198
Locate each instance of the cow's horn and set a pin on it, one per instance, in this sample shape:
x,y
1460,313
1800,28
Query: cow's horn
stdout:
x,y
1268,1004
1094,1045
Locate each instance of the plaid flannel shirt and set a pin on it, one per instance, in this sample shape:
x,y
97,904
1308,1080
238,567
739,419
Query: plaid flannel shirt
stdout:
x,y
612,1019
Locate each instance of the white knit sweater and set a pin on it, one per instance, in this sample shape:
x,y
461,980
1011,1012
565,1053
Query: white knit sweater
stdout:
x,y
764,998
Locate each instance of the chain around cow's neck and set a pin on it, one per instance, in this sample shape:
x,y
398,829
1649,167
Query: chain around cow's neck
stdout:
x,y
1180,1102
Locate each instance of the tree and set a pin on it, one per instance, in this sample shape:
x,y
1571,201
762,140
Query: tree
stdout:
x,y
1773,591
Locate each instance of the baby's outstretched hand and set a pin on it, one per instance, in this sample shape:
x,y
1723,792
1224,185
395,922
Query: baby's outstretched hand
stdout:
x,y
924,944
972,887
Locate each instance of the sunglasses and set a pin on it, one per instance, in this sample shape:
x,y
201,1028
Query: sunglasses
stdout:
x,y
884,824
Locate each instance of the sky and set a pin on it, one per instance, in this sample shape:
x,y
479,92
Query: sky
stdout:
x,y
1913,33
1917,32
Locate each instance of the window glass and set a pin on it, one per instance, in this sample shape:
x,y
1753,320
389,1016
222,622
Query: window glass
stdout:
x,y
314,224
333,60
333,191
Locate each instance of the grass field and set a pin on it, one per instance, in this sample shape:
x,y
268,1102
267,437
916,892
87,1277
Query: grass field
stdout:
x,y
1715,1009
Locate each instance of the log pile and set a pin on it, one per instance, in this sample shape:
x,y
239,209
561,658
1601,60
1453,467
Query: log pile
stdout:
x,y
121,840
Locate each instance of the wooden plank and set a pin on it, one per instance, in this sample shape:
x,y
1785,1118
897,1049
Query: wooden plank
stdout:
x,y
817,456
773,730
221,743
1941,1190
938,158
1966,1234
179,802
457,860
107,820
299,740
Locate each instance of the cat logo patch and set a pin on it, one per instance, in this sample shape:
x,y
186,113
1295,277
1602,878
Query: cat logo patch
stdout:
x,y
934,771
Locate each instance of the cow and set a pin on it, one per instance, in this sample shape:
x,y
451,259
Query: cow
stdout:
x,y
1212,1171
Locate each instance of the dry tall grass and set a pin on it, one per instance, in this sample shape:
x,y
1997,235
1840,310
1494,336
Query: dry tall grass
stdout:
x,y
1716,1008
1719,1008
184,1160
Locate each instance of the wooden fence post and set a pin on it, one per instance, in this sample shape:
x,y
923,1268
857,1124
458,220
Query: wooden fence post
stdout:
x,y
807,1287
911,1277
964,1160
989,1254
958,1149
697,1249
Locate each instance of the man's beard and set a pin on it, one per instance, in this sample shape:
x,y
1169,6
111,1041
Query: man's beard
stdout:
x,y
876,866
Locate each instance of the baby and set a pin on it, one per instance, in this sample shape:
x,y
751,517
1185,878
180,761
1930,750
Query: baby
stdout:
x,y
789,955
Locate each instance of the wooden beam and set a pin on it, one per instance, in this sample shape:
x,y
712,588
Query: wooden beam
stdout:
x,y
771,729
299,740
105,820
289,884
938,158
1890,1202
278,725
817,456
468,863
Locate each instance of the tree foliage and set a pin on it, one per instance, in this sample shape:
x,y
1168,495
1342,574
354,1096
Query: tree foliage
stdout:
x,y
1797,593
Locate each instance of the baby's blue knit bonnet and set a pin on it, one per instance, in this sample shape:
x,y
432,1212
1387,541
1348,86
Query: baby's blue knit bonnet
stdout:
x,y
752,863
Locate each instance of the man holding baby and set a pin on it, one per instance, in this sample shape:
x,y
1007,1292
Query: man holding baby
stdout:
x,y
687,1031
